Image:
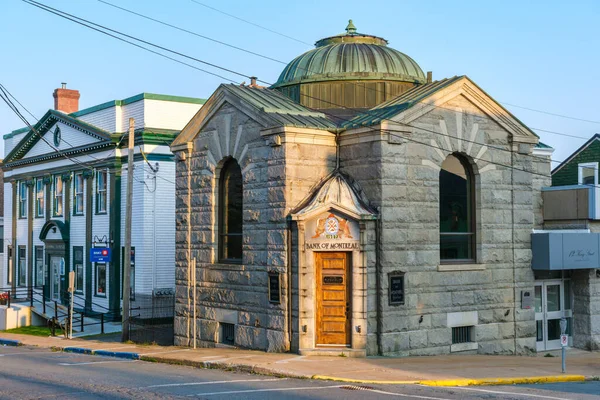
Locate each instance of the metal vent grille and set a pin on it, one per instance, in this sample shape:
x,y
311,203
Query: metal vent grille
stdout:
x,y
227,333
462,334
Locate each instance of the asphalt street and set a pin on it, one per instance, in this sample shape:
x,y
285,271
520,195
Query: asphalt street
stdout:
x,y
32,373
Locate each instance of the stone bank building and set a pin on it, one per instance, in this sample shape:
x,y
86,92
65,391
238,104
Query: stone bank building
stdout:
x,y
358,207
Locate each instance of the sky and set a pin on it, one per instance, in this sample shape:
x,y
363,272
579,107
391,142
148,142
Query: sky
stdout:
x,y
537,54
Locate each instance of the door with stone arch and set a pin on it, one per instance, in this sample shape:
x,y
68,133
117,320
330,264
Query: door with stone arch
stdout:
x,y
333,300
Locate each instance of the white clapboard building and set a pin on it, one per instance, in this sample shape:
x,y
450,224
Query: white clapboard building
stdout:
x,y
65,185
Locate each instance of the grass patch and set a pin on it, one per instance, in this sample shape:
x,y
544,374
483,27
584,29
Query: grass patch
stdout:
x,y
34,331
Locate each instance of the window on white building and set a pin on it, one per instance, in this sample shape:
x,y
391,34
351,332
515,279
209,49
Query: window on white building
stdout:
x,y
78,194
78,268
101,279
588,173
39,197
39,266
22,199
58,196
22,265
101,192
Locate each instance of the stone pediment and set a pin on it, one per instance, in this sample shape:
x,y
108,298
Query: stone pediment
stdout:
x,y
335,193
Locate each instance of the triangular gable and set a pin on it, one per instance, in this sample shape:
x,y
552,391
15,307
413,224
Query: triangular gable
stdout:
x,y
576,152
420,100
74,134
268,107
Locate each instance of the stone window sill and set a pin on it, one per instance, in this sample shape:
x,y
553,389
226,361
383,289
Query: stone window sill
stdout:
x,y
463,347
461,267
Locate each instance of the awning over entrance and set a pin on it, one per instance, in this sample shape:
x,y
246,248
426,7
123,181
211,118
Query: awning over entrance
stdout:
x,y
555,251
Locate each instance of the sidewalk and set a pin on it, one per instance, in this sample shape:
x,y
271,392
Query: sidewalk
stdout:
x,y
454,370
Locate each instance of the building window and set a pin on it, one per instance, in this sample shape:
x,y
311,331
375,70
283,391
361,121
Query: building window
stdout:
x,y
230,213
9,250
457,209
1,240
462,334
101,279
227,333
22,267
58,196
39,197
588,174
39,266
131,273
78,268
78,194
22,199
101,191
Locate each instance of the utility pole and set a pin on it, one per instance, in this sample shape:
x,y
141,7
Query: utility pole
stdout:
x,y
127,252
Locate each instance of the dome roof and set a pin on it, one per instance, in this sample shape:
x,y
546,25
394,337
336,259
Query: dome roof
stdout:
x,y
351,56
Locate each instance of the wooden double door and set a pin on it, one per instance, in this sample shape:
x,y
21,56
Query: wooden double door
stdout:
x,y
333,298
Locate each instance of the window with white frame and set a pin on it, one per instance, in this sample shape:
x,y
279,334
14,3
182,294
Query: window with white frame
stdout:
x,y
39,266
78,268
101,279
22,199
101,192
588,173
39,197
78,194
58,196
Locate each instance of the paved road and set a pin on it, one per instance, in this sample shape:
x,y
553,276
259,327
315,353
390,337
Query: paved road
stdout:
x,y
32,373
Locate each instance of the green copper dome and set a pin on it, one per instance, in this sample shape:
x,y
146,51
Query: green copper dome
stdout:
x,y
349,57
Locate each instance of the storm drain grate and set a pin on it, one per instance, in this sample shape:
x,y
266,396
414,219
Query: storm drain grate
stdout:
x,y
353,387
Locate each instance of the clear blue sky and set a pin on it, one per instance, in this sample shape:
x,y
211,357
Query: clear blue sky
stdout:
x,y
538,54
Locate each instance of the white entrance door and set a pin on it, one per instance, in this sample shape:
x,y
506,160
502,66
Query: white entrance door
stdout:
x,y
55,266
552,302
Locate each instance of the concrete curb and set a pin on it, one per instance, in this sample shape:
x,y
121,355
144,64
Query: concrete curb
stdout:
x,y
10,342
118,354
504,381
374,381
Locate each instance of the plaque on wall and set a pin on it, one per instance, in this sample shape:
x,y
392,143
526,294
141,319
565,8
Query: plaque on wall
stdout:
x,y
333,280
396,289
274,288
526,299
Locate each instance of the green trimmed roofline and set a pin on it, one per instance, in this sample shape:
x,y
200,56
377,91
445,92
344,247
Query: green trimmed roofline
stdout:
x,y
138,97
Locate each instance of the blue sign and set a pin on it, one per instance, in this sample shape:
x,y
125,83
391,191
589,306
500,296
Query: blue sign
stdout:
x,y
100,254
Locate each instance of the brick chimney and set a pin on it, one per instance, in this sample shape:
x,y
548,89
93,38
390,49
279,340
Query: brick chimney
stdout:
x,y
66,100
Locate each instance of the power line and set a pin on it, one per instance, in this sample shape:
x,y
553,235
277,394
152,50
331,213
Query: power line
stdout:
x,y
49,9
551,113
251,23
191,32
305,69
58,11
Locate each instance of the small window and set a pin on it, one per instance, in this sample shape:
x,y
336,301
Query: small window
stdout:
x,y
78,268
588,174
396,288
101,279
39,266
101,192
227,333
22,199
78,194
9,250
58,196
1,240
22,267
230,213
462,334
39,197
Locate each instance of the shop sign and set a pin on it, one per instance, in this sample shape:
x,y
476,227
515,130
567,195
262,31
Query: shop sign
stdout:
x,y
100,254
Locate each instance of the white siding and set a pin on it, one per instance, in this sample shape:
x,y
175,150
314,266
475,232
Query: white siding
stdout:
x,y
10,143
70,138
60,162
100,228
77,230
104,119
168,114
8,239
132,110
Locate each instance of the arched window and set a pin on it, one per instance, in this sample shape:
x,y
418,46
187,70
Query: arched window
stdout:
x,y
457,210
230,213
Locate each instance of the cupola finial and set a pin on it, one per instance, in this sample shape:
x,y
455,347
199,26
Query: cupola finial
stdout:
x,y
350,29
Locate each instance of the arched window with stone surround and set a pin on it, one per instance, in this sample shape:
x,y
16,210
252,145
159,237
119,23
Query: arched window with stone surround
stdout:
x,y
457,210
230,213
